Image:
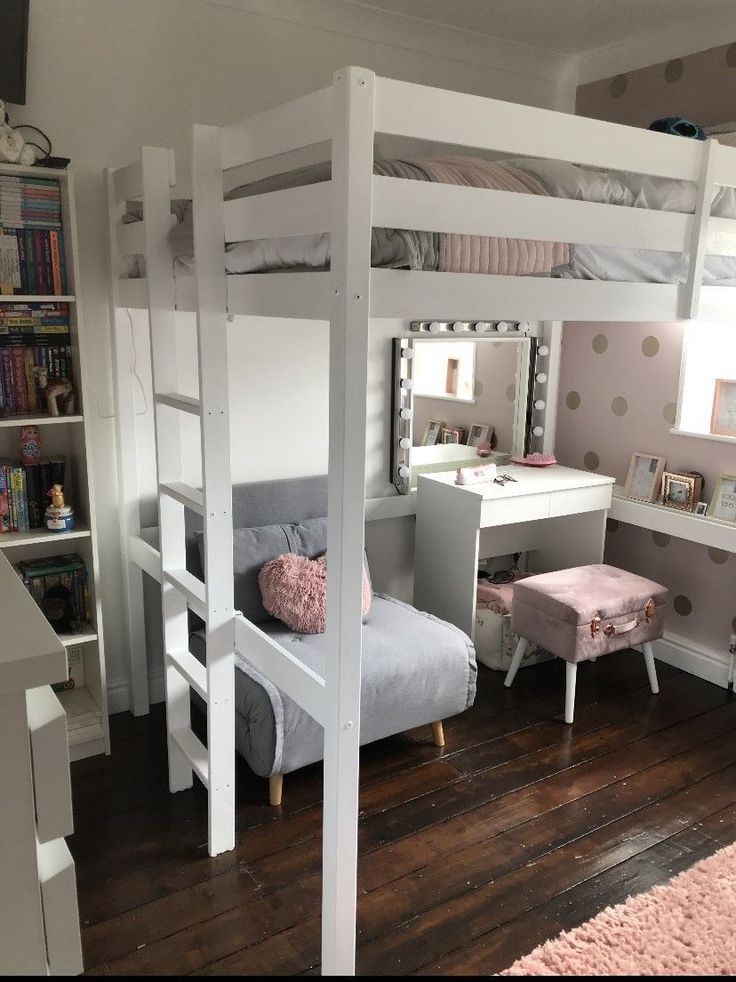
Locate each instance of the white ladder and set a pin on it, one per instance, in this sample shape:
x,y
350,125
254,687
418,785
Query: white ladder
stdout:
x,y
211,600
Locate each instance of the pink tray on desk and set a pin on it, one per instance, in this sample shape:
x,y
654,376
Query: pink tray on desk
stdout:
x,y
535,460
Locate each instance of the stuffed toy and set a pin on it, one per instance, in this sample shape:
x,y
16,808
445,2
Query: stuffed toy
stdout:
x,y
678,127
13,148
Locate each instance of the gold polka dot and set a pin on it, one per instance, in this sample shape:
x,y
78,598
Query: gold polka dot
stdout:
x,y
613,525
673,70
660,539
683,605
511,392
731,56
718,556
650,346
496,344
670,413
572,399
618,86
479,388
600,344
592,460
733,622
619,406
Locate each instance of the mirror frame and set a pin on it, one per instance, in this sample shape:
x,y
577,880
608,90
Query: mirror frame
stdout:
x,y
529,410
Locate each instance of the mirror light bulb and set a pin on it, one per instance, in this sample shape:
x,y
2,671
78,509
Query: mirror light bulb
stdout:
x,y
405,413
435,327
537,430
541,378
407,383
403,471
542,350
482,326
405,443
407,353
540,404
502,327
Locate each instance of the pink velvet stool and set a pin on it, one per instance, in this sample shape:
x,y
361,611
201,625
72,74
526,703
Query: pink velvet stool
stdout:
x,y
580,614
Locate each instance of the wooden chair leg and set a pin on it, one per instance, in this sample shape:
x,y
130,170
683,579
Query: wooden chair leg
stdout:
x,y
275,789
438,733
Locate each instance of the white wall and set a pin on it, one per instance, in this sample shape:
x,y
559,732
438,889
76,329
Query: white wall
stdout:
x,y
106,76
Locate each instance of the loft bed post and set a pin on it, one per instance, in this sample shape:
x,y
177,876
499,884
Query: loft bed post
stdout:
x,y
350,269
212,329
699,236
123,184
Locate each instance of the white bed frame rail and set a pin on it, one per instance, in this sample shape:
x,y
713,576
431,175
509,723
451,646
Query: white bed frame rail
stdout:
x,y
340,123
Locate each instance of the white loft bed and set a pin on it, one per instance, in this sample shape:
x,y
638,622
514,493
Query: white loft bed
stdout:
x,y
341,123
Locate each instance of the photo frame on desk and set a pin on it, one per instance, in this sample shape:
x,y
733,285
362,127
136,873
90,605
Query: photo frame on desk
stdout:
x,y
723,503
723,417
644,479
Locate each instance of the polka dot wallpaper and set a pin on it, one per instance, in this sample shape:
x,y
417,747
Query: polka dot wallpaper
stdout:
x,y
670,88
618,390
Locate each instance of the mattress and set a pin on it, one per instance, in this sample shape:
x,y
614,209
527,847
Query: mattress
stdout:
x,y
406,249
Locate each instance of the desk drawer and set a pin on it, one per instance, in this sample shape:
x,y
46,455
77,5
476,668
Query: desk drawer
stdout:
x,y
575,501
50,755
509,511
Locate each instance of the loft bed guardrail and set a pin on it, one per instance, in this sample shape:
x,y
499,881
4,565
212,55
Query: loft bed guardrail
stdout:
x,y
341,124
409,113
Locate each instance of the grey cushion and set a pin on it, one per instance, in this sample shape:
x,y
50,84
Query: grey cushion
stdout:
x,y
415,669
254,547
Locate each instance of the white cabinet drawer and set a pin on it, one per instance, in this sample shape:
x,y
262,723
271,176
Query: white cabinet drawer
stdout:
x,y
575,501
509,511
50,760
60,913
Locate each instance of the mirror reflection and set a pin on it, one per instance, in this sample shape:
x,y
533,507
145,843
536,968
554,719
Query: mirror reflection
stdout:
x,y
462,396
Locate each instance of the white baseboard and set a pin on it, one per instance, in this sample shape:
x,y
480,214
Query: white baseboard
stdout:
x,y
705,663
118,693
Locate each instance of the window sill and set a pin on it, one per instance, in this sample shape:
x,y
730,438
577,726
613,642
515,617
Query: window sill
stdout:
x,y
703,436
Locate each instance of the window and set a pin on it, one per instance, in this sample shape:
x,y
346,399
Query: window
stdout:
x,y
708,354
445,370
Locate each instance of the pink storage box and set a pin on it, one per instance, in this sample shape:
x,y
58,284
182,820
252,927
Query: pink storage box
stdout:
x,y
588,611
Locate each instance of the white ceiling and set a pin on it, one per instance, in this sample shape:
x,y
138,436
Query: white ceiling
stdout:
x,y
567,26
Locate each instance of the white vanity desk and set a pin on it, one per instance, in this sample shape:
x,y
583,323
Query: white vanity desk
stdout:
x,y
556,514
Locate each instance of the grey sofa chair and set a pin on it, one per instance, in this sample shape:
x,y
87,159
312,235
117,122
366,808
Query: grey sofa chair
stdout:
x,y
416,669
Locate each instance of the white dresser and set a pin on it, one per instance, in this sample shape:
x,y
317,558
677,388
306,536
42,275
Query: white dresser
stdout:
x,y
555,514
39,918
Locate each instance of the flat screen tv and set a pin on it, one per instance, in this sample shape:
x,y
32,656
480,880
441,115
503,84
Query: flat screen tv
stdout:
x,y
13,48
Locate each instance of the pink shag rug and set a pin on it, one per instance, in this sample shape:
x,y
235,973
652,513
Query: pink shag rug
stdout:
x,y
687,927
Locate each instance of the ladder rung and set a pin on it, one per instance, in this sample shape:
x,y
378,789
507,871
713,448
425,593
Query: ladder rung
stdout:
x,y
187,404
190,587
191,669
188,496
194,750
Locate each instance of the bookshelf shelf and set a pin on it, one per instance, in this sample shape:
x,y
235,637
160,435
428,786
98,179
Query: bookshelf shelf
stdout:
x,y
29,419
35,298
48,328
10,539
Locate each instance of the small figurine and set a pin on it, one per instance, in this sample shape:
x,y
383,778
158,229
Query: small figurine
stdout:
x,y
58,393
30,446
59,516
483,450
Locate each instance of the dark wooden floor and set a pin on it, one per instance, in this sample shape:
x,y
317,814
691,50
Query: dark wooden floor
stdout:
x,y
469,857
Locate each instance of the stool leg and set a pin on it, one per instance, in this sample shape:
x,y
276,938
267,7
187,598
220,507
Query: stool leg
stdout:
x,y
651,667
275,789
438,732
571,674
516,661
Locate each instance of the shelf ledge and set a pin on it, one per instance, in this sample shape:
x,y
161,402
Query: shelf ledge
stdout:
x,y
670,521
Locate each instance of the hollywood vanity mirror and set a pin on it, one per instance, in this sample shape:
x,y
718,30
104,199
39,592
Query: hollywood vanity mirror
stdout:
x,y
460,385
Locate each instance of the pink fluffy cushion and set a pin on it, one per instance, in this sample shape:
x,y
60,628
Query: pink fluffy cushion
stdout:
x,y
294,589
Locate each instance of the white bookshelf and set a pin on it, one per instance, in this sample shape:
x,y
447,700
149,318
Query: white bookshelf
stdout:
x,y
86,704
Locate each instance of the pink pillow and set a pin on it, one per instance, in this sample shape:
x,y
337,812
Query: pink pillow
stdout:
x,y
294,589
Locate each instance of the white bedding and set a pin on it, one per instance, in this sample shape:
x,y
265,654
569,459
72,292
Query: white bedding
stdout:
x,y
563,180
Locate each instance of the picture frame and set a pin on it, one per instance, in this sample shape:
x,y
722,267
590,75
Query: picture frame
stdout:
x,y
479,433
723,503
681,491
432,432
453,434
644,479
723,417
701,508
